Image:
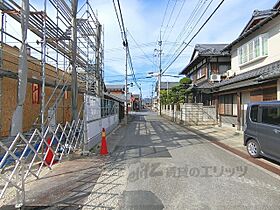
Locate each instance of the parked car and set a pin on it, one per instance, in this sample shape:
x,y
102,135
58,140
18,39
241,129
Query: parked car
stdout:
x,y
262,130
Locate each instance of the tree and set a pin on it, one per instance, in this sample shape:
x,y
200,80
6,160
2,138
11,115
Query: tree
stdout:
x,y
185,81
176,94
163,97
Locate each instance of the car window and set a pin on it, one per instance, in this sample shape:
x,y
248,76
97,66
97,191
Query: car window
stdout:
x,y
271,115
254,113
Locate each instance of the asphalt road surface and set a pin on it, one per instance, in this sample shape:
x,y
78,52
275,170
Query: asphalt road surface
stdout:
x,y
156,164
169,167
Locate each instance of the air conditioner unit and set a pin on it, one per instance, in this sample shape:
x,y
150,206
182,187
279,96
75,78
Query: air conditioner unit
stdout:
x,y
215,78
230,73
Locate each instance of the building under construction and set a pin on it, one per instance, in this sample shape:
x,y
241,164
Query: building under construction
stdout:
x,y
46,71
52,100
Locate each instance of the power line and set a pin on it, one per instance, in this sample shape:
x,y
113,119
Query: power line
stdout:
x,y
220,4
118,19
171,14
176,19
148,58
187,24
196,23
125,41
164,15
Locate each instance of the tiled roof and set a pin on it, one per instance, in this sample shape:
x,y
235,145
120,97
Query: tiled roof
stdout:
x,y
210,49
205,85
270,75
267,72
267,12
205,50
115,87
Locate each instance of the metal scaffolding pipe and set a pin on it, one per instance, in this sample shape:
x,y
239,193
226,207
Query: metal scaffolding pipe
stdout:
x,y
16,125
74,85
43,62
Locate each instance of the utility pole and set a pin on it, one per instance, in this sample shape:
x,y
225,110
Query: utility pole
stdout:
x,y
160,72
152,96
140,102
125,88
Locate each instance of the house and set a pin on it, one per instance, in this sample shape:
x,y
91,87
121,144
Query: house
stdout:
x,y
115,89
119,91
136,102
255,66
208,64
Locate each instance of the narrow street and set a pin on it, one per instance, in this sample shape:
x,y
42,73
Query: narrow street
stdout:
x,y
155,164
161,165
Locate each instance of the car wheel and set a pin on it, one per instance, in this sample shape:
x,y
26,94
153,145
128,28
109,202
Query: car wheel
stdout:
x,y
253,148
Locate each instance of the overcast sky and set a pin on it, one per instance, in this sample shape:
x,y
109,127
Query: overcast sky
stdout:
x,y
144,21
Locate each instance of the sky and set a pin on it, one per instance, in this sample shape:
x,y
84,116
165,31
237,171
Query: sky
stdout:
x,y
144,19
177,20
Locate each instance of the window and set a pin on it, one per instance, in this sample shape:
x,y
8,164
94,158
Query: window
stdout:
x,y
35,93
265,45
256,48
251,51
228,105
214,68
254,113
201,72
271,115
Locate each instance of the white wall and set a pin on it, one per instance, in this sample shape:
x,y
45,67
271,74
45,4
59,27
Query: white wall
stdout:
x,y
94,122
93,108
94,128
273,30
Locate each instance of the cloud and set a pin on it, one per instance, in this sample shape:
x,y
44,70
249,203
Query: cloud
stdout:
x,y
143,19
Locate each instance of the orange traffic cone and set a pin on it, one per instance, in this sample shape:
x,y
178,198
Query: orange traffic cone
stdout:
x,y
103,149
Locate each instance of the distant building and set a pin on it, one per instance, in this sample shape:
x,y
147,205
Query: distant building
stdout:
x,y
119,91
115,89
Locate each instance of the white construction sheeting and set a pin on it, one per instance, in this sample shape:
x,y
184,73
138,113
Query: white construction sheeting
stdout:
x,y
94,128
94,122
93,108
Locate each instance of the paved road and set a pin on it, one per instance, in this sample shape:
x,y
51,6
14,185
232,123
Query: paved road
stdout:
x,y
163,166
156,165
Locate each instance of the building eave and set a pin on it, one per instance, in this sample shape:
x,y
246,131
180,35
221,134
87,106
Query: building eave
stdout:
x,y
252,30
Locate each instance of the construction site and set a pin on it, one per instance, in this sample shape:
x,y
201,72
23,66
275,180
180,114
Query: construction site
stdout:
x,y
52,99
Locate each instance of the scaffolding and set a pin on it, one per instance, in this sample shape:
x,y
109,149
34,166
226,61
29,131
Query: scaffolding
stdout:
x,y
59,35
72,42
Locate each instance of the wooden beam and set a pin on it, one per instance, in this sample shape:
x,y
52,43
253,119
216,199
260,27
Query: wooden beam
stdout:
x,y
239,111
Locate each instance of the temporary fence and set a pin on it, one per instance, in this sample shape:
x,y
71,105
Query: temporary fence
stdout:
x,y
26,155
